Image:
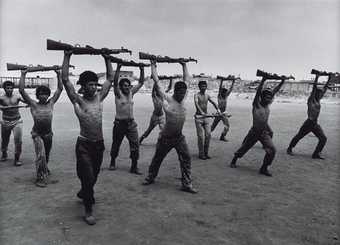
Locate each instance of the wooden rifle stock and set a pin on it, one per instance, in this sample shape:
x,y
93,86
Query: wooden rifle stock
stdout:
x,y
16,67
76,49
228,78
271,76
164,59
127,62
164,77
321,73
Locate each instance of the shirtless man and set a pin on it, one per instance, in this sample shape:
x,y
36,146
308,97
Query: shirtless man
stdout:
x,y
42,113
90,143
259,130
171,136
124,124
157,117
11,121
222,97
203,124
311,124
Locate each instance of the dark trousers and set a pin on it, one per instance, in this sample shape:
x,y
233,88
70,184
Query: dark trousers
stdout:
x,y
89,159
126,128
163,147
307,127
6,130
42,146
264,136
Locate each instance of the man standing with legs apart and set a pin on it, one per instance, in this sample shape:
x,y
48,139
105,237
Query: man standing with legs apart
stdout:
x,y
124,124
203,123
11,121
171,136
311,124
222,97
42,113
157,117
259,130
90,143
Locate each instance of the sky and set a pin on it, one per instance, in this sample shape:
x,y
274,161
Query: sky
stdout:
x,y
225,36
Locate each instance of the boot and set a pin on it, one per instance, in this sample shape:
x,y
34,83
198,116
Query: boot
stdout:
x,y
134,169
113,164
264,170
4,156
16,160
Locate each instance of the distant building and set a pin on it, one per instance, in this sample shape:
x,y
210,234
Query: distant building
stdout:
x,y
30,82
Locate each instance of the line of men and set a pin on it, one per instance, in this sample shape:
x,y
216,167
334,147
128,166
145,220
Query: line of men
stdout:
x,y
88,108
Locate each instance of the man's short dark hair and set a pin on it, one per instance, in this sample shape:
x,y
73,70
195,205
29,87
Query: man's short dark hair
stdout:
x,y
42,89
124,80
200,83
7,83
86,77
180,85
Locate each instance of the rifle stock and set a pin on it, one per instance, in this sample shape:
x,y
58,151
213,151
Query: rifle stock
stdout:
x,y
127,62
30,68
228,78
271,76
320,73
164,77
76,49
164,59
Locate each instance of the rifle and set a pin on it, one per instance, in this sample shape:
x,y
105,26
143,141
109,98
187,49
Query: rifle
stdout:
x,y
31,68
271,76
77,49
127,62
321,73
228,78
164,59
212,115
164,77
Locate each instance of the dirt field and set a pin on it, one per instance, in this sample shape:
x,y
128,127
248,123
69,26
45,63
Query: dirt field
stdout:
x,y
299,205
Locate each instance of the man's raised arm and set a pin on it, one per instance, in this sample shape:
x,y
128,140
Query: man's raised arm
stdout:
x,y
154,75
278,87
315,87
220,88
256,100
140,82
331,77
109,78
74,97
231,87
115,81
22,91
169,86
57,93
186,77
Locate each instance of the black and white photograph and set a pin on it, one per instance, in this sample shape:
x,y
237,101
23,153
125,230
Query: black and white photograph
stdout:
x,y
183,122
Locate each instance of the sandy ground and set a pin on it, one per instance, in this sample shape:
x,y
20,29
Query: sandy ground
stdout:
x,y
299,205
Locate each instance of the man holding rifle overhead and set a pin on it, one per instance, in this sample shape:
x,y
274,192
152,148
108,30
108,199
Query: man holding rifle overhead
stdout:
x,y
42,113
157,117
124,124
11,121
313,111
90,143
259,131
203,123
171,136
222,97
